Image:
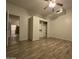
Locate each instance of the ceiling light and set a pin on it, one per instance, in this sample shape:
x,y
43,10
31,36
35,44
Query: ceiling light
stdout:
x,y
52,5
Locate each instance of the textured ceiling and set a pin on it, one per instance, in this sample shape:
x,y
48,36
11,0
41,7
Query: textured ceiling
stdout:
x,y
35,7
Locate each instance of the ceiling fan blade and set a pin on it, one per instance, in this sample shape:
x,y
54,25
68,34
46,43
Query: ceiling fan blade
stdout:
x,y
59,4
61,12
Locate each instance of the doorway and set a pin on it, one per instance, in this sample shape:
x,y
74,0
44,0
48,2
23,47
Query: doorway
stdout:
x,y
43,29
14,26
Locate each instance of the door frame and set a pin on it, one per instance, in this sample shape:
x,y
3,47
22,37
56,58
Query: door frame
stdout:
x,y
8,29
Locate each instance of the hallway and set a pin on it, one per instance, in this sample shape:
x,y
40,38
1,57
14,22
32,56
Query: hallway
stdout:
x,y
41,49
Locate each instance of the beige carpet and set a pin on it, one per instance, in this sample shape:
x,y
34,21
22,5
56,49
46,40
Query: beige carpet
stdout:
x,y
41,49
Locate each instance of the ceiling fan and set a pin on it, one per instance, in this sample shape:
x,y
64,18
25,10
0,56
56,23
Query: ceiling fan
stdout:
x,y
52,4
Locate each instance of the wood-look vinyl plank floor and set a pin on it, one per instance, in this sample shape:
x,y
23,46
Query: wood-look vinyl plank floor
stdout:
x,y
42,49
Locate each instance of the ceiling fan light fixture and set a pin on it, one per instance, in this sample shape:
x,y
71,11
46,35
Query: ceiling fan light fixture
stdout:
x,y
52,5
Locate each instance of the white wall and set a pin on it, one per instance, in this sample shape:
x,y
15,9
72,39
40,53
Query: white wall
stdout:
x,y
15,10
61,27
35,28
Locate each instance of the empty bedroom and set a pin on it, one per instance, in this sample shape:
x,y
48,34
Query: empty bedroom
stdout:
x,y
39,29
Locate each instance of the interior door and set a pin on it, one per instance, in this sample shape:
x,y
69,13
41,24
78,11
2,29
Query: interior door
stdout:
x,y
43,29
